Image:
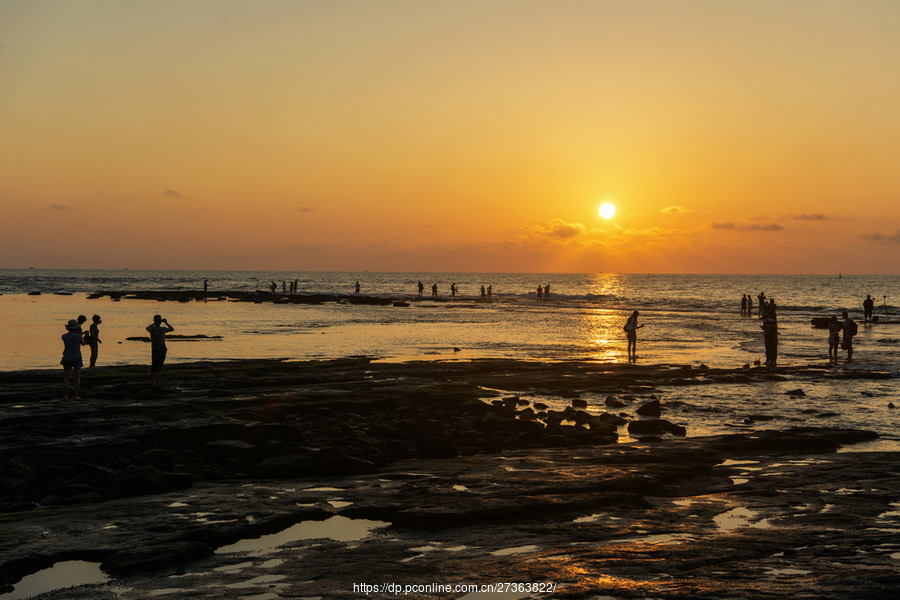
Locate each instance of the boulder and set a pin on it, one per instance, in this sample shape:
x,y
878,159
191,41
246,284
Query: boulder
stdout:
x,y
655,427
649,409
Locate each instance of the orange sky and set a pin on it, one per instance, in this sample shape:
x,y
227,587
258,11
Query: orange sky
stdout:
x,y
733,137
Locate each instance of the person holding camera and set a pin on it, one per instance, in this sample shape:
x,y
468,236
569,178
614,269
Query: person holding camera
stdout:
x,y
158,330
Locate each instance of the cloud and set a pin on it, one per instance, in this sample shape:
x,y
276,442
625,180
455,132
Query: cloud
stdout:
x,y
561,229
58,207
879,238
754,227
674,210
305,209
813,217
177,195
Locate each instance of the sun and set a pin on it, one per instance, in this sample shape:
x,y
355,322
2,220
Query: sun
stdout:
x,y
607,211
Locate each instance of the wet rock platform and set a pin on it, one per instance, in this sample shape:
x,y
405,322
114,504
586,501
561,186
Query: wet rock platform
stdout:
x,y
458,486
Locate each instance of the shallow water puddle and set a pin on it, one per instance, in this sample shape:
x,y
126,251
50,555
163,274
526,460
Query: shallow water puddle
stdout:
x,y
739,517
340,529
734,463
63,574
261,580
665,539
787,571
516,550
432,547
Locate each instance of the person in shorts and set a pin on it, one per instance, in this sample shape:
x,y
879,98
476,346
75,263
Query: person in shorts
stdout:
x,y
848,330
158,330
631,327
71,358
93,340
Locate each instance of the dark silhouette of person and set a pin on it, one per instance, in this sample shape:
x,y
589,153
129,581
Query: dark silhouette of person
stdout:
x,y
547,292
434,290
868,308
848,331
540,293
834,338
357,288
421,289
273,287
631,327
762,301
744,305
93,339
490,291
71,358
770,333
482,292
158,330
205,285
453,290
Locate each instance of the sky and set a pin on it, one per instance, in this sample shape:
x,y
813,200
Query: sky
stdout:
x,y
731,137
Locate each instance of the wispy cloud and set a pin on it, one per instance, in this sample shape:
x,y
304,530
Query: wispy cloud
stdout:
x,y
813,217
177,195
674,210
752,227
58,207
305,209
879,238
763,227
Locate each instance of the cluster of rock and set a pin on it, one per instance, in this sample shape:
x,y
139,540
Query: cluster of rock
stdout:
x,y
129,440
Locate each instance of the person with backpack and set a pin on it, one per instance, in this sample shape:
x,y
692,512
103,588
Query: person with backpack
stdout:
x,y
850,329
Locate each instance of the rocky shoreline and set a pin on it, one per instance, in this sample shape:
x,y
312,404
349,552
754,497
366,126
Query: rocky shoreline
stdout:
x,y
443,462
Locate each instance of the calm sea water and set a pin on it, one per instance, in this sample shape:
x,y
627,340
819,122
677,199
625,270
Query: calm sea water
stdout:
x,y
689,319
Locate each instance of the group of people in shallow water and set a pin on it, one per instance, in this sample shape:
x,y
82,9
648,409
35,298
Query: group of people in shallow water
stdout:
x,y
486,293
840,333
75,337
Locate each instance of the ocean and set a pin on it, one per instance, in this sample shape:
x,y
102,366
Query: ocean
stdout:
x,y
688,320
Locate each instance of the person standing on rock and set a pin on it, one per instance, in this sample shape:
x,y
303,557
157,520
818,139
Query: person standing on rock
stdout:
x,y
421,289
71,358
868,308
93,339
158,330
631,327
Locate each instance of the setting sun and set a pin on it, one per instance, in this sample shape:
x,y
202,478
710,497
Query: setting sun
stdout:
x,y
607,210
